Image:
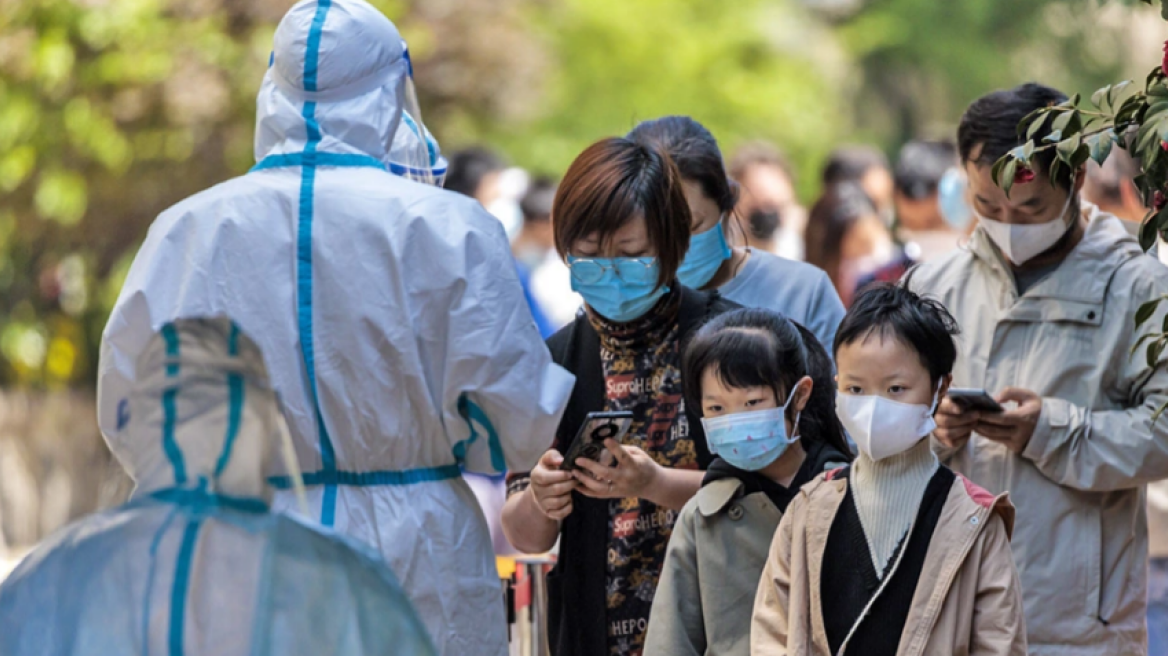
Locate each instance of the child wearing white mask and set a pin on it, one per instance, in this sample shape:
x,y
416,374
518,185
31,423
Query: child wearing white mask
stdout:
x,y
763,384
895,554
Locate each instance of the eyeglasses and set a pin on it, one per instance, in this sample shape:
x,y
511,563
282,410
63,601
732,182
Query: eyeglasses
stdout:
x,y
629,269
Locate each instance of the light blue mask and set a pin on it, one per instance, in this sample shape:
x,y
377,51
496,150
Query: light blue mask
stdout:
x,y
707,251
619,289
951,199
750,440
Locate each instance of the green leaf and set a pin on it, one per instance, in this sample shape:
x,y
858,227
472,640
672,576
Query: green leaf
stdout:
x,y
996,171
1036,125
1159,411
1028,152
1155,350
1100,145
1061,122
1019,153
1067,148
1055,170
1101,98
1145,338
1006,179
1054,137
1148,231
1164,9
1116,91
1146,310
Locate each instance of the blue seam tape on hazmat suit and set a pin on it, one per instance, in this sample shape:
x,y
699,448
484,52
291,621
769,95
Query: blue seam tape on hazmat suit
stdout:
x,y
304,256
329,476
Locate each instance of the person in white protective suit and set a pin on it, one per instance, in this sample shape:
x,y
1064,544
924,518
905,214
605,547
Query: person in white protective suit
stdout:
x,y
196,564
389,312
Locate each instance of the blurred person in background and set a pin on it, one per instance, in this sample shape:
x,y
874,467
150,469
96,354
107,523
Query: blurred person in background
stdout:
x,y
393,324
847,238
1112,188
745,275
767,204
921,227
550,280
867,167
475,172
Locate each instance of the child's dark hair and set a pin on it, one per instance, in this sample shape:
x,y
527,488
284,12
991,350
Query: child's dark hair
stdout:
x,y
922,324
753,347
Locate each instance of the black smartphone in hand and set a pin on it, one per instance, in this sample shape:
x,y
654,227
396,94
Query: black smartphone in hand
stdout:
x,y
974,399
589,442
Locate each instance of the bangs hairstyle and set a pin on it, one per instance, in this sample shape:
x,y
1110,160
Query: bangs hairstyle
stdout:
x,y
892,311
752,347
612,182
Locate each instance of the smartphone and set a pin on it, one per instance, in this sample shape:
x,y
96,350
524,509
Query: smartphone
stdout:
x,y
589,442
974,399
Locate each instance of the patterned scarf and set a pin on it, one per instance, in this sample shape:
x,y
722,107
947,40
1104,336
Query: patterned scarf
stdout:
x,y
642,374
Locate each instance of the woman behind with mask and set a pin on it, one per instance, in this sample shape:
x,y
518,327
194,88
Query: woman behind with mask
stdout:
x,y
616,223
747,276
764,385
895,554
847,238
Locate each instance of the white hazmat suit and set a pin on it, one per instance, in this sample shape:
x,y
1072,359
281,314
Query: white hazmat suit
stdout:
x,y
195,564
389,313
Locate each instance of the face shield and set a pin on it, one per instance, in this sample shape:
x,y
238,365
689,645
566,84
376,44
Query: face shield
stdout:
x,y
414,153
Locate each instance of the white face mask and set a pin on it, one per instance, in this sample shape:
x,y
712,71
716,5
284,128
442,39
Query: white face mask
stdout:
x,y
883,428
1022,243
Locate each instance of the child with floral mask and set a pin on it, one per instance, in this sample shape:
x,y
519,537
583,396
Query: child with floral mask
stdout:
x,y
894,554
763,384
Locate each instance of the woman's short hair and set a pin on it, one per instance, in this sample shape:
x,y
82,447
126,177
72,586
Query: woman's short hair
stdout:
x,y
613,181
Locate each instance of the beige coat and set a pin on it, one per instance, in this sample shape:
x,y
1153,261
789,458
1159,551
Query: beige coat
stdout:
x,y
718,548
1079,485
967,600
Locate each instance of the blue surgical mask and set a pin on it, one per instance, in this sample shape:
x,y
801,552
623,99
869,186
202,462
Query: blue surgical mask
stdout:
x,y
751,440
951,199
707,251
619,289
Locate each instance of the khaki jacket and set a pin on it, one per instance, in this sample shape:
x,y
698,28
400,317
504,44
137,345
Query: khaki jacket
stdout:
x,y
1079,484
718,548
968,601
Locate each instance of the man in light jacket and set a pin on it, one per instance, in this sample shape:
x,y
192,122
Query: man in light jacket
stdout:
x,y
1046,294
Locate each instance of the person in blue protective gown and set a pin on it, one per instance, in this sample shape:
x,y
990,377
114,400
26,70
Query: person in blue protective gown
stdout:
x,y
395,328
196,563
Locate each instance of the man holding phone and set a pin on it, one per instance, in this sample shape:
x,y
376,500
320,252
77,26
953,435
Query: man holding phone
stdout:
x,y
1046,294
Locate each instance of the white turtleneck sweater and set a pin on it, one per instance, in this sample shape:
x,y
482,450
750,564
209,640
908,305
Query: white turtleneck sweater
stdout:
x,y
888,496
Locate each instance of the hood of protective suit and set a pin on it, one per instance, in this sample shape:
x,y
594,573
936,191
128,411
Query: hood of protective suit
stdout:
x,y
348,72
202,410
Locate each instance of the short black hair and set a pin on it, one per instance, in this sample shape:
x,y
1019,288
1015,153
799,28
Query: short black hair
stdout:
x,y
468,167
753,347
991,122
922,324
850,163
695,151
921,165
538,200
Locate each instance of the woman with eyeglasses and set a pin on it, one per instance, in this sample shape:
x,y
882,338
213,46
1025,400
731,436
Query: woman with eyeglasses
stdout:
x,y
749,277
622,223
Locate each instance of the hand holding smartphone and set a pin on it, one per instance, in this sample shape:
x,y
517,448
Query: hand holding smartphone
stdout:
x,y
589,442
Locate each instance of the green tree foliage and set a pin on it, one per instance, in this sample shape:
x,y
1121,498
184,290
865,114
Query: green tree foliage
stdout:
x,y
112,110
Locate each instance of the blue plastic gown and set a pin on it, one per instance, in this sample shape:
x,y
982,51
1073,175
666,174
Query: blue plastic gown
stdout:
x,y
196,564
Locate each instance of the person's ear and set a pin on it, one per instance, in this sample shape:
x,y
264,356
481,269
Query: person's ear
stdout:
x,y
1080,179
803,394
946,382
